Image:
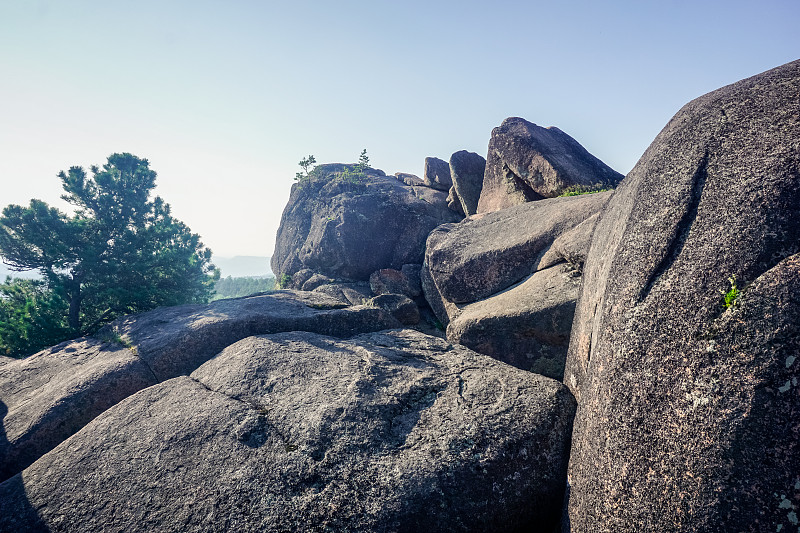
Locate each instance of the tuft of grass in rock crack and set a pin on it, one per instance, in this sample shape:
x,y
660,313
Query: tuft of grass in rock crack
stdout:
x,y
731,297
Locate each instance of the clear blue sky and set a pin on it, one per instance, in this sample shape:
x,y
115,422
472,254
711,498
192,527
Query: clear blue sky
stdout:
x,y
224,98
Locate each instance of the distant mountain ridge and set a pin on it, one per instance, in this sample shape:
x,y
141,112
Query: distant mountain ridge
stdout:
x,y
242,266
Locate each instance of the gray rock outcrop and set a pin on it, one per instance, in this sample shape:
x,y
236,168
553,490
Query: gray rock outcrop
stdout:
x,y
689,416
437,174
394,431
482,256
409,179
527,325
527,162
52,394
467,170
347,229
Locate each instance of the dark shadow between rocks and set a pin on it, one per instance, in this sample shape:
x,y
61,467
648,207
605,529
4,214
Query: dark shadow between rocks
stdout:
x,y
16,512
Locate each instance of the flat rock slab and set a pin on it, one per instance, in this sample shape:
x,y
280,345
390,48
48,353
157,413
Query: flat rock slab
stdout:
x,y
176,340
527,325
481,256
393,431
689,415
50,395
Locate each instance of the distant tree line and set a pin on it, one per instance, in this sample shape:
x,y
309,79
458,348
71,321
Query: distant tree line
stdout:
x,y
236,287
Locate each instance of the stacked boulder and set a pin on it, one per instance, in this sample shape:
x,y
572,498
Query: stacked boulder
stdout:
x,y
505,283
527,162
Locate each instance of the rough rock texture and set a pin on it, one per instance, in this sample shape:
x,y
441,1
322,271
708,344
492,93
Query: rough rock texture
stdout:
x,y
297,432
52,394
176,340
391,281
527,162
437,174
689,415
466,171
315,281
454,203
412,273
482,256
399,306
349,293
526,326
409,179
571,246
347,230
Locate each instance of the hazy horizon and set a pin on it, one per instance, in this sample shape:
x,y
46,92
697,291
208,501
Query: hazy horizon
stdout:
x,y
224,100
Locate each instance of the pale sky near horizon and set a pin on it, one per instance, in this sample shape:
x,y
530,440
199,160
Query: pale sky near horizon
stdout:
x,y
224,98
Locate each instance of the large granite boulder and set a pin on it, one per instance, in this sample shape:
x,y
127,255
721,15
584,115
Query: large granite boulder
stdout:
x,y
394,431
689,411
527,162
483,255
347,229
466,171
437,174
527,326
52,394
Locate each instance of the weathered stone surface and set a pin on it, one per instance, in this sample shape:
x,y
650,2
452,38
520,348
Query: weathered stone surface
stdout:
x,y
176,340
52,394
467,170
399,306
437,174
689,411
391,281
526,326
480,257
409,179
350,293
453,202
412,273
347,230
527,162
315,281
395,431
571,246
299,278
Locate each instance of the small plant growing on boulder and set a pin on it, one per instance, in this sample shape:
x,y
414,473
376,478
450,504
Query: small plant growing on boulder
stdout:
x,y
284,281
355,174
307,164
577,190
731,297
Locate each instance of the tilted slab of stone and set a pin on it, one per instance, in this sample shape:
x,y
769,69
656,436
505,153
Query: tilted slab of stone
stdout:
x,y
483,255
527,162
466,170
571,246
393,431
689,416
52,394
437,174
176,340
347,228
527,325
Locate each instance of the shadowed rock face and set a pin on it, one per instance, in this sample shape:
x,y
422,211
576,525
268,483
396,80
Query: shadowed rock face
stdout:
x,y
52,394
347,230
395,431
689,411
466,170
527,162
437,174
